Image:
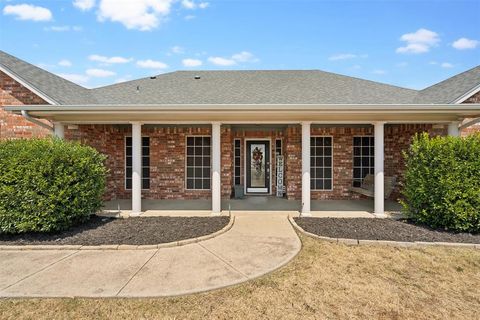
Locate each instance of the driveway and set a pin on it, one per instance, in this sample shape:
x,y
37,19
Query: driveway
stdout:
x,y
256,244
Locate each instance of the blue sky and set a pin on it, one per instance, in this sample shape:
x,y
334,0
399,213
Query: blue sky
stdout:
x,y
98,42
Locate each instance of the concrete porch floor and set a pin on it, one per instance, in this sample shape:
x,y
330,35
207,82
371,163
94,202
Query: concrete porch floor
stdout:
x,y
258,204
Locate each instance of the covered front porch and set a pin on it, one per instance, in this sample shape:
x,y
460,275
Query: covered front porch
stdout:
x,y
254,204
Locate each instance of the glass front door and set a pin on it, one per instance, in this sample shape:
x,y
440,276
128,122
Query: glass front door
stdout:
x,y
258,166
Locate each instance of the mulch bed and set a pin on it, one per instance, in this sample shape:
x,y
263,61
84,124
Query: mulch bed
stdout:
x,y
132,231
380,229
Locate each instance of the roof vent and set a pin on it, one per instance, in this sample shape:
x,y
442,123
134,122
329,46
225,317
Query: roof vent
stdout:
x,y
197,77
153,77
138,88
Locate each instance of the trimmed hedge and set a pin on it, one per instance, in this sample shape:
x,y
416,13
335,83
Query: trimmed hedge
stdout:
x,y
48,185
442,182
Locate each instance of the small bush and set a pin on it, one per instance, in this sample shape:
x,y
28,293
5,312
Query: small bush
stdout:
x,y
442,182
48,185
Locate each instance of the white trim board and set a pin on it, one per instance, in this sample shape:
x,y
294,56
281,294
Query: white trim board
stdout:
x,y
28,86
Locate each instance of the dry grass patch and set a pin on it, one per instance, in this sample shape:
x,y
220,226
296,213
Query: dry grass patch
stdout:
x,y
325,281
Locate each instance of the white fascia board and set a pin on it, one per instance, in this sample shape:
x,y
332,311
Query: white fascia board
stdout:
x,y
467,95
28,86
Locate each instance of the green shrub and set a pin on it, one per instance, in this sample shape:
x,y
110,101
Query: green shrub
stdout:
x,y
48,185
442,182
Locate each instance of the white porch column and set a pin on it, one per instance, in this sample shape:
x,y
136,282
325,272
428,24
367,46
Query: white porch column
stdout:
x,y
136,167
453,129
216,169
379,174
59,130
305,169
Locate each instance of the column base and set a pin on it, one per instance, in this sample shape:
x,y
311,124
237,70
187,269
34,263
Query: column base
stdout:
x,y
216,214
135,214
382,215
305,214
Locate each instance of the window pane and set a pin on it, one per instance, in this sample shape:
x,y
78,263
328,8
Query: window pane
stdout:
x,y
327,173
198,184
198,161
128,141
206,172
206,183
198,141
319,184
146,173
328,142
128,184
146,161
206,151
128,172
189,172
328,151
129,161
206,141
190,141
206,161
328,184
327,161
190,161
198,173
190,151
190,184
145,183
357,141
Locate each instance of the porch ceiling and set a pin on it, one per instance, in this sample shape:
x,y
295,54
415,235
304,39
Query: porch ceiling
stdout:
x,y
251,113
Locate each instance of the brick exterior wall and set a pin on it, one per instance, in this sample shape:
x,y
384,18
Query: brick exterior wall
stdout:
x,y
476,127
167,156
15,126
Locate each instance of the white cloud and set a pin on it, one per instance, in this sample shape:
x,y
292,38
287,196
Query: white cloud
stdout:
x,y
65,63
151,64
77,78
464,43
244,56
84,4
99,73
447,65
108,60
192,62
192,5
219,61
177,50
63,28
28,12
342,56
379,71
142,15
419,41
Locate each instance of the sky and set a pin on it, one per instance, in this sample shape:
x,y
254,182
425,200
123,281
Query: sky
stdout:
x,y
407,43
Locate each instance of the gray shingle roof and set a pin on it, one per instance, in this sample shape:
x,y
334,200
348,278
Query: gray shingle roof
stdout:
x,y
53,86
449,90
253,87
240,87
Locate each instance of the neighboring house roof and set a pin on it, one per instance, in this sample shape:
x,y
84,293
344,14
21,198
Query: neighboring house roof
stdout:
x,y
238,87
452,89
44,83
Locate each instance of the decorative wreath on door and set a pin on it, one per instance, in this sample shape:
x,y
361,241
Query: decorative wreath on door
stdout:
x,y
257,157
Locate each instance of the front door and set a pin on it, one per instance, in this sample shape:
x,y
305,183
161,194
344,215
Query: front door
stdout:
x,y
258,166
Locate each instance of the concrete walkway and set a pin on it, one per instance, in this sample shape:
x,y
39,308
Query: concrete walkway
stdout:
x,y
255,245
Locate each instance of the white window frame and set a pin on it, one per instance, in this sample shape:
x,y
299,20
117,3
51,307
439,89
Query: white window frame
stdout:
x,y
333,149
125,162
186,156
234,159
353,155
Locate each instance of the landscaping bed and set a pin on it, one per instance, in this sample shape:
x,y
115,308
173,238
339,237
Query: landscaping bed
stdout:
x,y
131,231
380,229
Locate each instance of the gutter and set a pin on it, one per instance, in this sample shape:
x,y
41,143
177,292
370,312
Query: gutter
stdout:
x,y
36,121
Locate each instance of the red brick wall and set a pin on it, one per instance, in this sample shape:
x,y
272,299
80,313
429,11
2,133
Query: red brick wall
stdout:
x,y
475,128
15,126
167,156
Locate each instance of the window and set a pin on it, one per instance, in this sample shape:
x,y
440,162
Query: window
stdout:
x,y
237,159
363,158
278,146
198,163
145,163
321,163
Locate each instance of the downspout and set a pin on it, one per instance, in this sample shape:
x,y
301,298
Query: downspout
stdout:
x,y
36,121
469,123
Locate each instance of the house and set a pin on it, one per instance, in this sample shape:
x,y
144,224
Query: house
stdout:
x,y
304,134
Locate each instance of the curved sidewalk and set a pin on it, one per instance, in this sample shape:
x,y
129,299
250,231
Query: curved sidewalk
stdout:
x,y
256,244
